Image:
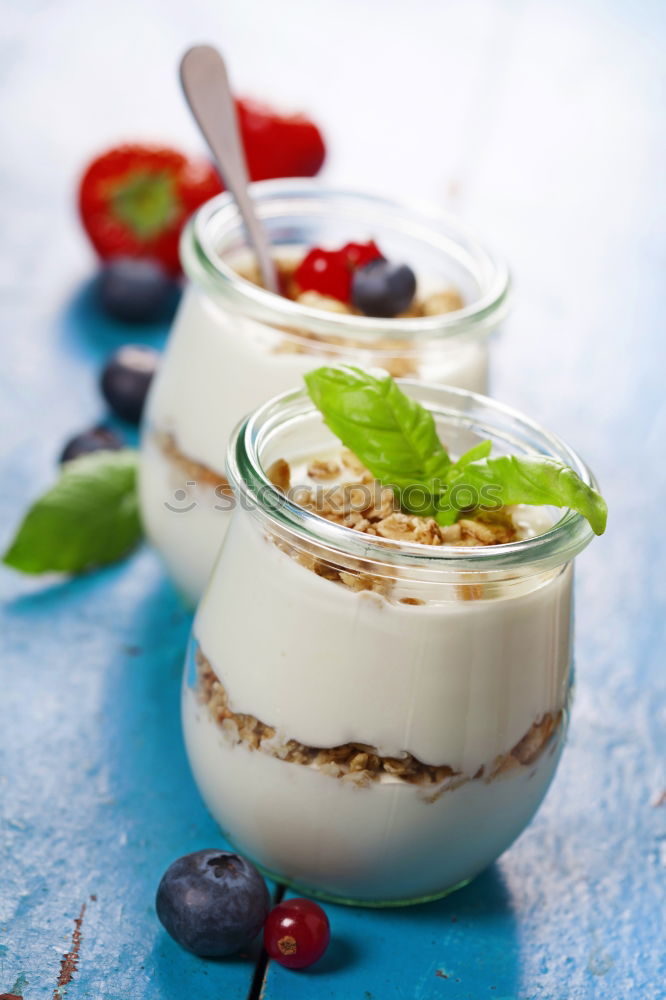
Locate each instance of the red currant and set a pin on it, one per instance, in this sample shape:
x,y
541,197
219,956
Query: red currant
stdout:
x,y
330,272
296,933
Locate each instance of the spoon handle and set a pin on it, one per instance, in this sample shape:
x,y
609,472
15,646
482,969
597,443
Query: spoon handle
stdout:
x,y
205,82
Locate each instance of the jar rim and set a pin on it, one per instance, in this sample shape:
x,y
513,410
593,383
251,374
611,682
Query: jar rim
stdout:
x,y
567,537
203,263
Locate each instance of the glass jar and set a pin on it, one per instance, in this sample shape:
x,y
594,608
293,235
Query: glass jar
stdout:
x,y
234,345
374,721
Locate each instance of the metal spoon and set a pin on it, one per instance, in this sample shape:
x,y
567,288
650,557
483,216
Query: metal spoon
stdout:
x,y
203,76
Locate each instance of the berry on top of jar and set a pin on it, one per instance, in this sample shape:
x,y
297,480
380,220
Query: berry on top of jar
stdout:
x,y
359,280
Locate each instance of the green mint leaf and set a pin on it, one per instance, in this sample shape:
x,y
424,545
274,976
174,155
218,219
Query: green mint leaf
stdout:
x,y
394,436
512,479
89,517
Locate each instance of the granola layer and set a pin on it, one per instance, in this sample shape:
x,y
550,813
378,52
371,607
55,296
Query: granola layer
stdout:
x,y
192,470
444,300
360,502
399,365
356,762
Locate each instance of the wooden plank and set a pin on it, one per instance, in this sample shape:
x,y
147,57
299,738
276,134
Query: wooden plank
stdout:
x,y
542,123
97,797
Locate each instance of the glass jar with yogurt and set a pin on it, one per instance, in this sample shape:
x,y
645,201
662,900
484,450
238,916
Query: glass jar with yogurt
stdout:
x,y
234,344
370,718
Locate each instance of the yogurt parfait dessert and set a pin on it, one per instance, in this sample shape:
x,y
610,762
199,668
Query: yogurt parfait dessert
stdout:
x,y
364,281
377,687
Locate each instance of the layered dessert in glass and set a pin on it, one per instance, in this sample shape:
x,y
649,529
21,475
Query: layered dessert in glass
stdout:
x,y
234,344
374,704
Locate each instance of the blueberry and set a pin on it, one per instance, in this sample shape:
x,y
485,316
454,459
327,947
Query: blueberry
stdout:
x,y
382,288
212,902
135,290
126,378
95,439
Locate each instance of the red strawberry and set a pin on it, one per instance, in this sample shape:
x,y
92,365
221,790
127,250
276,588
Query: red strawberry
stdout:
x,y
359,254
279,145
135,199
326,272
330,272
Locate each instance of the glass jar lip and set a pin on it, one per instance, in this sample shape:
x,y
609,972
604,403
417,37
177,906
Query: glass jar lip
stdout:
x,y
562,542
203,264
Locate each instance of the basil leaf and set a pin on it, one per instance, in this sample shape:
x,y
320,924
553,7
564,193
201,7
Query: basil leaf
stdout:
x,y
536,480
90,517
392,435
480,450
396,439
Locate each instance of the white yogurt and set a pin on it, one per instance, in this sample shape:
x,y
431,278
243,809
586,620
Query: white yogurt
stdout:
x,y
217,367
454,682
380,843
185,520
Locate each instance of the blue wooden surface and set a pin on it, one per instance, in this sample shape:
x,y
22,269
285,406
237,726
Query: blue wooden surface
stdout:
x,y
548,136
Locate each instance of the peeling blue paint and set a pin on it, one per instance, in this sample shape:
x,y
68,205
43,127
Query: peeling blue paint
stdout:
x,y
95,793
191,662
